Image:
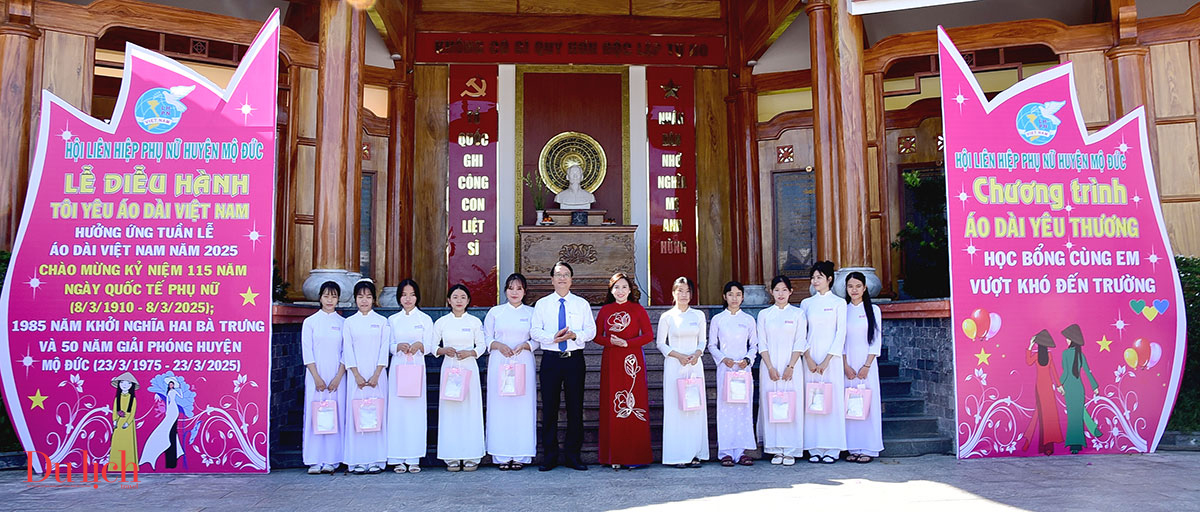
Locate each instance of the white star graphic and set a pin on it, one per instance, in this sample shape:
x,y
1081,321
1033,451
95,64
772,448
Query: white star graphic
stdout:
x,y
246,109
1137,199
1123,147
960,99
254,236
1153,259
971,250
1069,245
27,361
962,196
1120,325
1068,208
35,283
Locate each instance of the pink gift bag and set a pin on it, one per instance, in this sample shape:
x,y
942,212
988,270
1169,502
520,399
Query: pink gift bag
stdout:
x,y
781,405
456,383
737,387
858,402
325,415
409,378
512,379
691,393
818,397
368,414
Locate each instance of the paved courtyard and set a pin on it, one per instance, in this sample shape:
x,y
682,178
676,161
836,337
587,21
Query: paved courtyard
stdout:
x,y
1164,481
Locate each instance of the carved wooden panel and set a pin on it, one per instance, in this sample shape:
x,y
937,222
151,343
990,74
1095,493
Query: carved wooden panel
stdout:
x,y
713,214
1091,83
1183,227
1178,165
430,166
560,7
305,97
1172,68
306,165
594,253
677,9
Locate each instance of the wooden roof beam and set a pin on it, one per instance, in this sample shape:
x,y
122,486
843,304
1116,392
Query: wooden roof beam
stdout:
x,y
567,24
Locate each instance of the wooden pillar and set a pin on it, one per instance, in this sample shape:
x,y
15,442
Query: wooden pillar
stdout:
x,y
401,103
742,104
825,125
330,227
17,43
354,134
1129,68
851,136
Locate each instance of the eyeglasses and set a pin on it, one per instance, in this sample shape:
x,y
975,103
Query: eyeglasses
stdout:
x,y
562,274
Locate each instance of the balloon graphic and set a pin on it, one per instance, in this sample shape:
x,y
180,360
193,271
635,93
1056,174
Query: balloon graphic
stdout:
x,y
1131,357
995,328
1155,355
968,327
1143,350
982,321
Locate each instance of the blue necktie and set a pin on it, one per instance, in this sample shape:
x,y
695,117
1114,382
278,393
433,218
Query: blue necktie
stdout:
x,y
562,322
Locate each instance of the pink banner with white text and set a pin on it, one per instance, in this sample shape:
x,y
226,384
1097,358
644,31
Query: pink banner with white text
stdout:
x,y
137,301
1066,307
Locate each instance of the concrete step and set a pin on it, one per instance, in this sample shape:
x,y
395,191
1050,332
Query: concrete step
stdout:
x,y
895,406
895,387
907,426
916,446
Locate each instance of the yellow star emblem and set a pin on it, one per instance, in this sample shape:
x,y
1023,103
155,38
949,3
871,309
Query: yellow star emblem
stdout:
x,y
248,297
983,356
38,400
1104,343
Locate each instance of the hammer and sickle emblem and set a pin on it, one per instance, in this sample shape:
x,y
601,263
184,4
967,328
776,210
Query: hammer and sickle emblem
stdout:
x,y
478,90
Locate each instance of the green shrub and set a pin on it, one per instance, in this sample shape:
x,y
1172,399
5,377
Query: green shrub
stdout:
x,y
1186,415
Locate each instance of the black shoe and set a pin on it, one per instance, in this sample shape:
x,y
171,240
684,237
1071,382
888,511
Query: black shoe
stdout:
x,y
576,465
547,466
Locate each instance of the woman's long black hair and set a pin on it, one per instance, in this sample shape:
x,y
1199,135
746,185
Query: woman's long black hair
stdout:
x,y
871,327
132,396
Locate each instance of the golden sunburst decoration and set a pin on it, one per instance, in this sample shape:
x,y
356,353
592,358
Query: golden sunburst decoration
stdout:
x,y
567,149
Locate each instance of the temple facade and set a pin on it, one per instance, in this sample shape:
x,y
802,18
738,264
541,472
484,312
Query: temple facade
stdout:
x,y
718,139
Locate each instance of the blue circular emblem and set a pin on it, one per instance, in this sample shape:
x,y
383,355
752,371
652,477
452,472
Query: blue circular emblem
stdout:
x,y
1037,122
158,110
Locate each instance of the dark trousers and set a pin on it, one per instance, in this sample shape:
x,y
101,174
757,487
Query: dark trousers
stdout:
x,y
557,375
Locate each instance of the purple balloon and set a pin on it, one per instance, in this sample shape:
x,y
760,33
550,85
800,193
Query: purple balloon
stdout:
x,y
994,327
1155,355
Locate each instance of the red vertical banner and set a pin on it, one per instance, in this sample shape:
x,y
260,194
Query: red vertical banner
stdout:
x,y
672,132
471,199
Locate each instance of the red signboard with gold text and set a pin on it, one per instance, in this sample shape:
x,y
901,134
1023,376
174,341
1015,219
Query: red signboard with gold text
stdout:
x,y
671,129
570,49
471,254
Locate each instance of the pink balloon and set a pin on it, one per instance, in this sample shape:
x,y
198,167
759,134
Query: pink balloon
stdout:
x,y
995,327
1155,355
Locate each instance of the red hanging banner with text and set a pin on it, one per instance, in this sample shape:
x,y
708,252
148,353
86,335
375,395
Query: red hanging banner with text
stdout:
x,y
672,133
471,254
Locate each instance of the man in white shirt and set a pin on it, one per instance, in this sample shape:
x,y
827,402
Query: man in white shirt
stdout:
x,y
562,325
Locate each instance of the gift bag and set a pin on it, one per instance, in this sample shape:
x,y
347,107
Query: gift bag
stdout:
x,y
456,384
819,397
737,387
409,378
512,379
781,406
368,414
691,393
325,416
858,402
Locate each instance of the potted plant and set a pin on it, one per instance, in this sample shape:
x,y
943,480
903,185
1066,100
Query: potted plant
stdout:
x,y
538,190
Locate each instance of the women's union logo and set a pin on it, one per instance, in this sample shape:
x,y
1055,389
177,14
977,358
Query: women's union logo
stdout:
x,y
1037,122
158,110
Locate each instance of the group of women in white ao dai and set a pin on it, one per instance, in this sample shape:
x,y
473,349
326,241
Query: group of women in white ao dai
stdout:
x,y
685,433
864,437
321,345
407,417
511,420
782,331
734,336
460,423
825,434
366,340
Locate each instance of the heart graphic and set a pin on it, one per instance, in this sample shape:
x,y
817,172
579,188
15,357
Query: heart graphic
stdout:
x,y
1161,305
1150,313
1137,305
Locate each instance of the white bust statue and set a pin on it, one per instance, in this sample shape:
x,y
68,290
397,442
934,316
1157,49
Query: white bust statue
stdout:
x,y
574,197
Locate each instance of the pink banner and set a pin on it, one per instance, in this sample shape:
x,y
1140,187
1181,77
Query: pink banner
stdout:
x,y
138,297
1065,301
